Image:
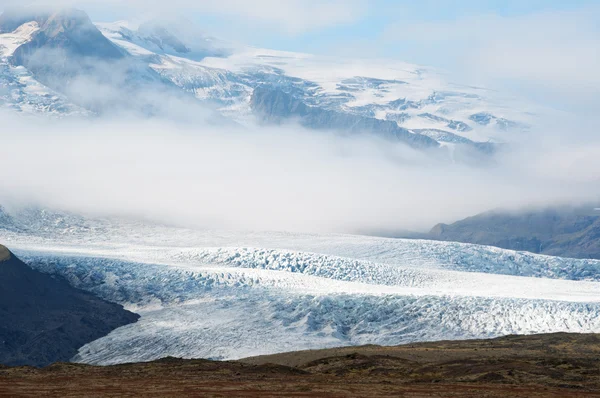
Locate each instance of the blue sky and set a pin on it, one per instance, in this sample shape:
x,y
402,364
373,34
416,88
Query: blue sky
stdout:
x,y
370,21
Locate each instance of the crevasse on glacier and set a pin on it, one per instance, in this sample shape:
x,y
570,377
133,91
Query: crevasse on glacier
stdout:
x,y
231,302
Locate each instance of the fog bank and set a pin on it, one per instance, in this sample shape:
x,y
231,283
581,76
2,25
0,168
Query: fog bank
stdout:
x,y
274,178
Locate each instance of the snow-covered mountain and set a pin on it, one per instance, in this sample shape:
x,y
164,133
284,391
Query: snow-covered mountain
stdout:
x,y
224,294
396,100
19,89
416,99
62,51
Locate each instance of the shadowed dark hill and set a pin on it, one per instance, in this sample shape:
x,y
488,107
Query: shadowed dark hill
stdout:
x,y
45,320
565,232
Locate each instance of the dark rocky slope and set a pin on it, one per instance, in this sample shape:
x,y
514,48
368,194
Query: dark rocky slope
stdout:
x,y
273,105
45,320
565,232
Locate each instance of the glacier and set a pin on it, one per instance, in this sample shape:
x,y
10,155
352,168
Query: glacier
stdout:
x,y
232,294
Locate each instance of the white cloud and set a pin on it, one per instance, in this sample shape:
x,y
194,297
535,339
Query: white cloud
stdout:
x,y
554,51
284,178
292,16
289,16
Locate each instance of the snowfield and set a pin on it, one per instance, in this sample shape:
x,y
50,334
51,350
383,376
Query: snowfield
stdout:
x,y
227,295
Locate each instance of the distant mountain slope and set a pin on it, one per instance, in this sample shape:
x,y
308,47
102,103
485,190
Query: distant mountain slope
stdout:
x,y
19,89
407,95
44,320
66,43
274,105
69,30
64,52
178,37
54,61
559,232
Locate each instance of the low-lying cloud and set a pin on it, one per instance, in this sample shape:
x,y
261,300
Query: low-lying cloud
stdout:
x,y
276,178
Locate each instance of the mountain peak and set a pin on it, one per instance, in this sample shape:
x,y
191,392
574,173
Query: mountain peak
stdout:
x,y
66,29
72,23
65,20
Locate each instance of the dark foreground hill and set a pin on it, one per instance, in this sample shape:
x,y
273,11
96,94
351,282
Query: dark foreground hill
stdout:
x,y
564,232
45,320
559,365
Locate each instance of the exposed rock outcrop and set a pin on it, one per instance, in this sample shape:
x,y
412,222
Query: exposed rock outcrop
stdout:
x,y
44,320
273,105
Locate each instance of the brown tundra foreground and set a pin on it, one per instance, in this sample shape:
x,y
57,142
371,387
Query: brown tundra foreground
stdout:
x,y
557,365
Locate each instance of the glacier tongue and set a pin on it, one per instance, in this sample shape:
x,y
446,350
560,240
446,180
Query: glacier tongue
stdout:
x,y
228,294
239,325
227,303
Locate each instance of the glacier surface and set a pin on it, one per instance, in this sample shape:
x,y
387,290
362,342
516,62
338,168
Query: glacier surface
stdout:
x,y
227,295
